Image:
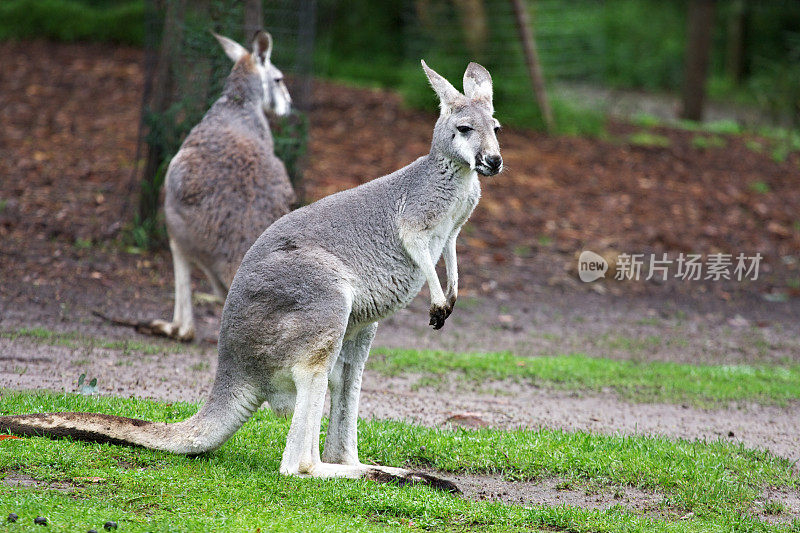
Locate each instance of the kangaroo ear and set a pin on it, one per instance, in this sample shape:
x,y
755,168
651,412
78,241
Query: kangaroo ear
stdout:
x,y
444,89
232,49
262,46
478,84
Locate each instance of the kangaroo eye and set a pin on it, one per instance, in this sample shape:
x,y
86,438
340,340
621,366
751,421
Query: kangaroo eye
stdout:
x,y
464,129
497,129
278,80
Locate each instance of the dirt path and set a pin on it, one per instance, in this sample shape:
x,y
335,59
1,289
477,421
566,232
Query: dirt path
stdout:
x,y
149,367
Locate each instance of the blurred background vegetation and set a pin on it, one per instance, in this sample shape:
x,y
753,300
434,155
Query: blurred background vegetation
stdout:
x,y
585,47
628,44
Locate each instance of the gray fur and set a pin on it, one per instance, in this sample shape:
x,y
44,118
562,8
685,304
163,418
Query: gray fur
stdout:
x,y
225,185
306,299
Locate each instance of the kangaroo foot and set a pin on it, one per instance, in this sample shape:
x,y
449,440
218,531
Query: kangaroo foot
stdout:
x,y
173,330
439,314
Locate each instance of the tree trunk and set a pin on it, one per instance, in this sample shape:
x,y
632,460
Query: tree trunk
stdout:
x,y
734,56
253,19
698,51
159,89
532,60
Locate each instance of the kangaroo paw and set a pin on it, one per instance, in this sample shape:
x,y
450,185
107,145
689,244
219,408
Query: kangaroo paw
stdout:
x,y
413,478
438,315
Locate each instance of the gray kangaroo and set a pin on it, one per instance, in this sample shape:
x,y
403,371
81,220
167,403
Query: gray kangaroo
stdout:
x,y
225,185
303,308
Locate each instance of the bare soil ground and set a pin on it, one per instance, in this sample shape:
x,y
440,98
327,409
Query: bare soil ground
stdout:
x,y
70,122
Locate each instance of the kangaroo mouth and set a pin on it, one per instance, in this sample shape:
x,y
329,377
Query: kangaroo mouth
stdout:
x,y
486,170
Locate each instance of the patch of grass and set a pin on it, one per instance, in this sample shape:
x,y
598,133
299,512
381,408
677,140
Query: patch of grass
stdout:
x,y
82,244
630,344
701,385
723,127
45,336
704,143
759,187
718,127
76,340
544,240
646,120
774,507
522,250
239,488
754,146
647,139
782,142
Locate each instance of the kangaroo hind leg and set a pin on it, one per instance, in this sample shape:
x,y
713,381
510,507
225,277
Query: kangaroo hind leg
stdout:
x,y
302,454
341,441
182,325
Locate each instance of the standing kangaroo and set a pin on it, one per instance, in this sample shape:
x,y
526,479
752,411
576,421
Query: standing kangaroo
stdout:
x,y
303,308
225,185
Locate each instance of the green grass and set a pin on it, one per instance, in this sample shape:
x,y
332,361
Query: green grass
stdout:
x,y
702,142
76,340
238,488
647,139
700,385
643,381
759,187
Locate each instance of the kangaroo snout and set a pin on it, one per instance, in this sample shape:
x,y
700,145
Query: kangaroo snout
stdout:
x,y
491,165
494,162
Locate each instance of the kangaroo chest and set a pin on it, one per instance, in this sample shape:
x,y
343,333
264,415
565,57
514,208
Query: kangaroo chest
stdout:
x,y
390,284
461,208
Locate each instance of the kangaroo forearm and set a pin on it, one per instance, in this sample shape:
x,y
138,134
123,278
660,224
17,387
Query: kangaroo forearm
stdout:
x,y
417,249
451,265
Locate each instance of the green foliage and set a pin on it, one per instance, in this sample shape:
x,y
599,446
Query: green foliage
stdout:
x,y
147,233
361,46
644,43
291,141
73,20
238,487
623,43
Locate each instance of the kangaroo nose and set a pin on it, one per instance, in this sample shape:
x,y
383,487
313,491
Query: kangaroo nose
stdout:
x,y
493,161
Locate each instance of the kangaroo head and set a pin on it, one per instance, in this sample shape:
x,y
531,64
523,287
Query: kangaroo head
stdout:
x,y
276,97
466,131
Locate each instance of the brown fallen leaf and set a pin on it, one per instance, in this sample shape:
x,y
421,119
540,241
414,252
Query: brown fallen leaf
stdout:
x,y
467,420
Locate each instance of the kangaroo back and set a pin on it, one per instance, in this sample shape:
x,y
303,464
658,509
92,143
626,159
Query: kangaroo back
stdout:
x,y
226,185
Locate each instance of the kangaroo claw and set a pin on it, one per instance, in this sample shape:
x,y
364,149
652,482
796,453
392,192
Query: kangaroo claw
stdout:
x,y
438,316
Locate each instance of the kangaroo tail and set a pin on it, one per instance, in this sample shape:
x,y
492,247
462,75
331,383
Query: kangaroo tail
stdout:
x,y
221,416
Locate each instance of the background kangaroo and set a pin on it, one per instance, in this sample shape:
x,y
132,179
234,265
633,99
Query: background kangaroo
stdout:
x,y
303,308
225,185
